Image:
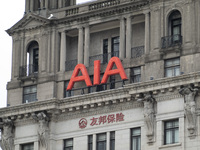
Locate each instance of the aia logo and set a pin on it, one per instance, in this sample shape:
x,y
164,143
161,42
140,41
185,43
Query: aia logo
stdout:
x,y
82,123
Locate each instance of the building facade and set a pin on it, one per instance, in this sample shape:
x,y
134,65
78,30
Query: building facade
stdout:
x,y
158,107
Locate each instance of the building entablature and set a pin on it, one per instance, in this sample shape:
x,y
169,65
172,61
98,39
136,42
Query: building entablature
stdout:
x,y
162,89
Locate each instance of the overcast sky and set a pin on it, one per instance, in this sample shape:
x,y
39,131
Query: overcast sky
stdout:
x,y
11,12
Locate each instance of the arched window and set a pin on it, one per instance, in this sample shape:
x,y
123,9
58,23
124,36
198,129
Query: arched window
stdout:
x,y
33,57
175,22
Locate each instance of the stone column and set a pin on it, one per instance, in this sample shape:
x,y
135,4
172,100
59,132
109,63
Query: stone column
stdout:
x,y
108,140
80,45
60,3
94,141
87,46
128,37
122,38
42,4
46,4
157,29
147,32
63,47
31,5
27,5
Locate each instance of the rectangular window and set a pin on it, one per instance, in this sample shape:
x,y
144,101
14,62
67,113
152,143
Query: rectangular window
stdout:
x,y
30,94
90,142
112,82
172,67
68,144
136,139
101,141
105,51
29,146
171,132
67,93
135,74
112,140
101,87
92,88
115,47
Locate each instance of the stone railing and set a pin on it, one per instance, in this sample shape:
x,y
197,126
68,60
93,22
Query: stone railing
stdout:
x,y
104,4
72,11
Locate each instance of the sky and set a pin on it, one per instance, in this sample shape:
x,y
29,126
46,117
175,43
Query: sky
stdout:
x,y
11,12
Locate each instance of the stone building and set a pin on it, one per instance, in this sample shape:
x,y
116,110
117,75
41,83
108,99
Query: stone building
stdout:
x,y
158,107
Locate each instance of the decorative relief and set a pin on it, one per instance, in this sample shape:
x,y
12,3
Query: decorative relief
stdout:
x,y
189,94
7,134
43,129
149,114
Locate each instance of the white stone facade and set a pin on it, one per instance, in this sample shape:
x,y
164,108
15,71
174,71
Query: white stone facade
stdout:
x,y
161,38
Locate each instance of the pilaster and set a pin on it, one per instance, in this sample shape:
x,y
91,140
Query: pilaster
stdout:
x,y
80,45
128,36
87,46
63,47
122,38
147,32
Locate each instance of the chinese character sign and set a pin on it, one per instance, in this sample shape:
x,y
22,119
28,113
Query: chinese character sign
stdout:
x,y
106,119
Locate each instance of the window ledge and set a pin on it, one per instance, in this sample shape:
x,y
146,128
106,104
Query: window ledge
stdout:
x,y
170,145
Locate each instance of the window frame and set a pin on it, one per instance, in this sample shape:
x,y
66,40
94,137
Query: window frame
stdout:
x,y
27,144
137,137
101,141
29,94
134,76
67,93
115,52
68,147
112,140
173,67
90,142
172,130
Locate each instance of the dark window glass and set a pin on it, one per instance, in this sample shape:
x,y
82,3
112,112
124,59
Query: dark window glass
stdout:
x,y
30,94
105,51
172,67
171,132
90,141
115,47
136,139
35,59
92,88
135,74
27,146
68,144
112,140
101,141
112,82
67,93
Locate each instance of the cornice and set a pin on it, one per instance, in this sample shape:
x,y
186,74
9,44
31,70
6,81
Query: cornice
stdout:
x,y
162,89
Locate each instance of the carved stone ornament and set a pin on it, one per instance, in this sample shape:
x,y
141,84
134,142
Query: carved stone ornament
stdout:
x,y
149,114
7,134
43,129
189,94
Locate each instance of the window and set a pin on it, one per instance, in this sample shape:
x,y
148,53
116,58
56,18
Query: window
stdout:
x,y
112,82
112,140
136,139
33,58
105,51
68,144
101,141
115,47
90,140
27,146
135,75
92,88
101,87
67,93
171,132
30,94
172,67
175,26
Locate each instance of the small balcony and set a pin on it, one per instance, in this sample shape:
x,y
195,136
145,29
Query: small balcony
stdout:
x,y
28,70
137,52
70,65
171,41
104,58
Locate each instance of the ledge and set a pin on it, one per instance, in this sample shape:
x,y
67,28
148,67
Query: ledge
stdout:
x,y
170,145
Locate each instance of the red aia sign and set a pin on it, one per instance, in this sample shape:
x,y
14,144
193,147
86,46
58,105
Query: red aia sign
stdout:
x,y
96,78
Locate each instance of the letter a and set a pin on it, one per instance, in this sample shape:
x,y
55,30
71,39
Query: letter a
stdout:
x,y
109,71
75,78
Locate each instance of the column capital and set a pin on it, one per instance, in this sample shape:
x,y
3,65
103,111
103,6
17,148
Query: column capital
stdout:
x,y
145,12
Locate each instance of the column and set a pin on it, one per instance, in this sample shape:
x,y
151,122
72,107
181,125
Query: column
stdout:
x,y
87,46
46,4
27,5
36,145
22,52
157,29
32,5
122,39
60,3
147,31
53,49
80,45
42,4
94,141
108,140
17,147
128,37
63,51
